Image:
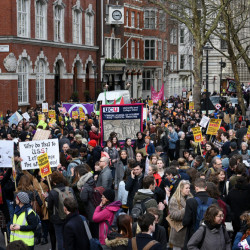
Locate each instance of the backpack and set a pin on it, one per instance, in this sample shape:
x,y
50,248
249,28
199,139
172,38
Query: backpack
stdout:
x,y
62,195
201,209
97,196
113,226
139,208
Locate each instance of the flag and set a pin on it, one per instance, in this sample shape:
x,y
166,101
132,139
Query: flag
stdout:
x,y
122,101
156,96
114,102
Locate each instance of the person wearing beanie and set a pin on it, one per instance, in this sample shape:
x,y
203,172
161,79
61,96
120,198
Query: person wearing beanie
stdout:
x,y
24,221
92,143
94,153
104,214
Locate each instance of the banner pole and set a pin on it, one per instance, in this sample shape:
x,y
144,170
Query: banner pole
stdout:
x,y
49,182
200,148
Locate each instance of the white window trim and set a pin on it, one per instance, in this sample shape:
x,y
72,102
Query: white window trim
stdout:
x,y
109,41
45,9
132,19
155,54
90,12
155,17
133,49
138,49
38,75
27,81
61,5
77,8
28,19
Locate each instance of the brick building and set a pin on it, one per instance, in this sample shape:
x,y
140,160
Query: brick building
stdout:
x,y
143,51
47,49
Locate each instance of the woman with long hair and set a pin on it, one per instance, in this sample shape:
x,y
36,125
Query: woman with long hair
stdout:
x,y
115,143
119,240
139,143
160,167
212,233
177,206
152,170
121,166
129,148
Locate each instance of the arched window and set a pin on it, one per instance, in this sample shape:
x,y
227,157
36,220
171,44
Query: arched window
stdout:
x,y
23,18
89,26
40,81
23,85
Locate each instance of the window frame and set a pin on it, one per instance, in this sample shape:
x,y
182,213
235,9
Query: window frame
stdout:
x,y
77,26
41,20
23,29
150,48
149,19
40,80
59,23
132,19
147,82
23,78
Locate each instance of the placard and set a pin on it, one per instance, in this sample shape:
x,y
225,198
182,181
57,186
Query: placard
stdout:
x,y
45,107
31,149
170,105
86,107
213,126
15,119
150,103
160,102
62,110
6,153
75,114
41,135
197,134
52,114
248,132
1,117
52,122
145,113
26,116
191,105
40,117
44,165
82,116
204,121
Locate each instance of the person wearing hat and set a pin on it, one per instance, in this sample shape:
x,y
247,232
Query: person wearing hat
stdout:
x,y
24,221
104,214
94,153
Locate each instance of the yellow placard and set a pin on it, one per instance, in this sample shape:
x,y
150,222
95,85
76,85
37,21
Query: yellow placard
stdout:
x,y
75,114
51,122
248,132
60,118
197,134
160,103
213,126
52,114
43,163
150,103
80,110
82,116
191,105
40,117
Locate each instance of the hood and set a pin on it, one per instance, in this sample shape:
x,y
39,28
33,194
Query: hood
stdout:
x,y
114,206
145,191
83,180
116,242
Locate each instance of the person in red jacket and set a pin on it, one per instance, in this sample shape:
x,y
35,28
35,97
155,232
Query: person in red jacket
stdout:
x,y
152,170
94,135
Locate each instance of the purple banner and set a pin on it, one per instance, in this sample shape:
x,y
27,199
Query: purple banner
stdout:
x,y
87,107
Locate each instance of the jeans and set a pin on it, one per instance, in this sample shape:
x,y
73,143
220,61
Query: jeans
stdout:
x,y
11,208
59,236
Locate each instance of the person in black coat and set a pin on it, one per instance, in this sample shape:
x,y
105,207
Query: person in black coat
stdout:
x,y
74,233
5,130
241,132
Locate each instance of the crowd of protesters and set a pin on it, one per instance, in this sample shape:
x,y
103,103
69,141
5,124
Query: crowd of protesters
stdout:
x,y
160,191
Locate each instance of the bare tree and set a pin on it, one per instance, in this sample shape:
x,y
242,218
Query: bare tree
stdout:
x,y
201,17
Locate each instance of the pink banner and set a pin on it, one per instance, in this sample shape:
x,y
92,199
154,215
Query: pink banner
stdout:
x,y
156,96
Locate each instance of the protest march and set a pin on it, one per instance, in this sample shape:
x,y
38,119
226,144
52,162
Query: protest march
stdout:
x,y
152,174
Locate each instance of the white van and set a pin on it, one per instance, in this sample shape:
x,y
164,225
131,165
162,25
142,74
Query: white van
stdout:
x,y
111,96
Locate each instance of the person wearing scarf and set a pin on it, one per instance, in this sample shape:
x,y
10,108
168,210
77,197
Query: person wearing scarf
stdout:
x,y
24,221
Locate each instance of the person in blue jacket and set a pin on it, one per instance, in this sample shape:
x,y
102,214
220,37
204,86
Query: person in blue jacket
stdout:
x,y
173,138
150,148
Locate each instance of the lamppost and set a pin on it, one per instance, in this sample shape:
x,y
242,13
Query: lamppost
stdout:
x,y
207,47
95,69
222,65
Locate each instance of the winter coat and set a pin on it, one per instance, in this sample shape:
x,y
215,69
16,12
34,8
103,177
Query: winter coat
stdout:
x,y
119,172
86,184
189,219
132,186
122,193
113,154
74,234
160,235
94,156
240,134
173,140
103,214
105,178
150,149
116,242
139,144
216,239
130,152
74,163
177,212
94,136
237,240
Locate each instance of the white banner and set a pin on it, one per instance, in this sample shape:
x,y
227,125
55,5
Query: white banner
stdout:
x,y
204,121
6,153
31,149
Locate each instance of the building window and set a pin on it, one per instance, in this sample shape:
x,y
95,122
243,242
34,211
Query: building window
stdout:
x,y
112,47
127,18
89,26
173,36
159,74
40,81
162,20
148,79
133,49
159,47
77,26
223,43
138,49
182,62
149,19
173,62
165,50
133,19
23,82
41,20
149,49
127,48
182,34
23,15
59,23
138,20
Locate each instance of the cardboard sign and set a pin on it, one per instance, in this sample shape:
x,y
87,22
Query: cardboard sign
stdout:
x,y
248,132
41,135
213,126
197,134
204,121
40,117
29,151
6,153
82,116
80,109
43,163
170,105
52,114
191,105
150,103
45,107
75,114
1,117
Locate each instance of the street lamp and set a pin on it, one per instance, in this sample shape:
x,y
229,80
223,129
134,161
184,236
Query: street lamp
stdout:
x,y
95,69
222,65
207,47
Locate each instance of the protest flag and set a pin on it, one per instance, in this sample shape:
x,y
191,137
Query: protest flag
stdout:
x,y
122,101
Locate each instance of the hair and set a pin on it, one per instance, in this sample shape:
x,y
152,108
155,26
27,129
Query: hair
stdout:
x,y
69,151
124,222
232,162
192,174
213,162
246,216
17,245
200,183
177,194
106,159
71,204
171,170
241,169
145,221
123,150
125,144
199,158
136,164
154,155
182,162
154,211
147,181
57,178
110,140
244,144
213,190
83,150
211,213
216,150
25,184
154,169
174,164
159,149
226,134
140,154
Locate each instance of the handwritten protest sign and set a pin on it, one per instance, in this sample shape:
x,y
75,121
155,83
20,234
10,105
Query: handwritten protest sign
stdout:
x,y
75,114
170,105
204,121
145,113
31,149
44,165
213,126
6,153
248,132
191,105
197,134
52,114
45,107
